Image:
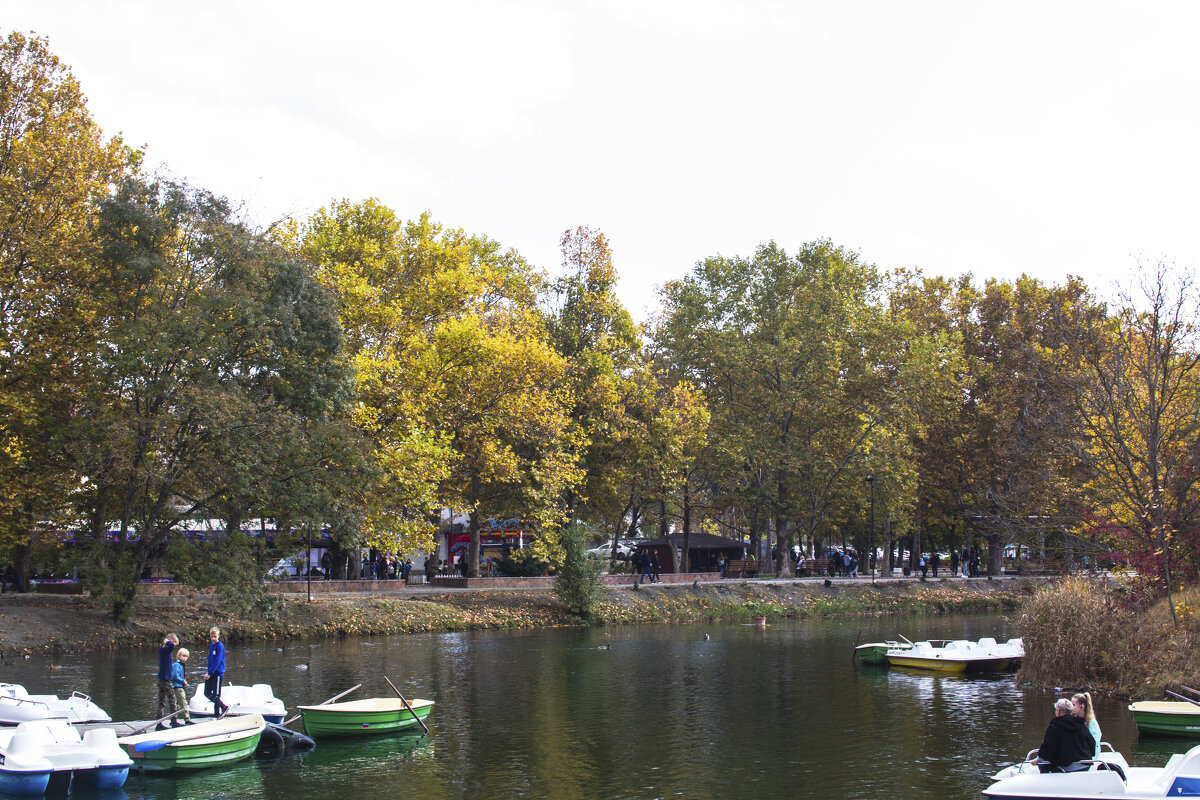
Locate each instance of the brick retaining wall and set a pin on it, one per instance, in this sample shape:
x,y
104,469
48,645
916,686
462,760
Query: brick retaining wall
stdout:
x,y
377,586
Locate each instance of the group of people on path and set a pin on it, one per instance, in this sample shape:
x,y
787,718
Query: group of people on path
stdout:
x,y
384,568
1072,736
965,563
172,680
646,563
843,562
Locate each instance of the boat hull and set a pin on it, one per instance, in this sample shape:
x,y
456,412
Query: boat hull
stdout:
x,y
24,783
101,778
1167,718
199,746
363,717
197,756
951,665
958,656
937,665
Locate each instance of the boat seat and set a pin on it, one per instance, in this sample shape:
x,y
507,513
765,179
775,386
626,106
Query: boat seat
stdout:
x,y
260,693
1170,770
31,738
101,737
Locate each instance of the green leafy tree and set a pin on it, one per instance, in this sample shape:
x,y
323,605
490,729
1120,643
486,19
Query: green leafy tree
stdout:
x,y
995,452
588,326
506,415
214,340
790,352
397,285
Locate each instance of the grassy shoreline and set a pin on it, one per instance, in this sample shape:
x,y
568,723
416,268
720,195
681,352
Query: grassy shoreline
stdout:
x,y
46,625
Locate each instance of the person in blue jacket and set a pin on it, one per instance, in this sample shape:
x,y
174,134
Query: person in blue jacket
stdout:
x,y
215,673
179,686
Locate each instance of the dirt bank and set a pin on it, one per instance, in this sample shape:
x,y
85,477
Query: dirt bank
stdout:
x,y
49,624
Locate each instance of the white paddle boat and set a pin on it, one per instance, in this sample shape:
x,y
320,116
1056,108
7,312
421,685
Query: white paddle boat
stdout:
x,y
242,700
1100,779
18,705
34,754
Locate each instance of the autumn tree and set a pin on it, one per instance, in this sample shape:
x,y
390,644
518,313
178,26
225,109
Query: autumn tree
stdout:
x,y
456,385
55,164
1137,402
505,413
994,452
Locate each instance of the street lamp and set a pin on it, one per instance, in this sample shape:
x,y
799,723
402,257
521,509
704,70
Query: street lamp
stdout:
x,y
870,479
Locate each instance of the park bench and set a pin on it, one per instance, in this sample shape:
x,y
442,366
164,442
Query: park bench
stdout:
x,y
741,568
813,567
1041,566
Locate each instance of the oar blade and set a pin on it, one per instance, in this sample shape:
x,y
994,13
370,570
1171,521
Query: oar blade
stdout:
x,y
150,744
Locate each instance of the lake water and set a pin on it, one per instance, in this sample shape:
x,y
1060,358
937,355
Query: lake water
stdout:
x,y
636,712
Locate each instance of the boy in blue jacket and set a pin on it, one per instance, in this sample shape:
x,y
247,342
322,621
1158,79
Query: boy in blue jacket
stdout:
x,y
178,686
215,673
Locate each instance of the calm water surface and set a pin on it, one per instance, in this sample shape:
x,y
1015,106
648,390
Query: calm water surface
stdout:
x,y
638,712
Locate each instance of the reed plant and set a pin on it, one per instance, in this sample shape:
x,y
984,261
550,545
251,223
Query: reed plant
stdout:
x,y
1086,633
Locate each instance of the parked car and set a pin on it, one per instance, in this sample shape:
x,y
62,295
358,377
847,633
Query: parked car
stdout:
x,y
624,550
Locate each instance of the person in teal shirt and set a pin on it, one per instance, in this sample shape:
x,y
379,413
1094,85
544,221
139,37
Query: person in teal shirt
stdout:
x,y
1081,706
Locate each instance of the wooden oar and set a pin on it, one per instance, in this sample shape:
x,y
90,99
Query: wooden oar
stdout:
x,y
1190,689
327,702
157,722
420,721
1181,697
157,744
905,638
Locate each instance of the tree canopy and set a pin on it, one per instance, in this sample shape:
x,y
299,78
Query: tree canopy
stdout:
x,y
163,359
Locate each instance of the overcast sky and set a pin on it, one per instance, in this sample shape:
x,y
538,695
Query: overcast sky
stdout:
x,y
1050,138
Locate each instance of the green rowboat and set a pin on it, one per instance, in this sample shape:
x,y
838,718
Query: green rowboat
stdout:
x,y
359,717
1167,718
199,746
876,652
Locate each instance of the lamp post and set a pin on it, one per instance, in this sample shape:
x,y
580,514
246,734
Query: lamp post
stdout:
x,y
870,479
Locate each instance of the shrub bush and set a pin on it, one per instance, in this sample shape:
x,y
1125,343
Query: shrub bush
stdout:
x,y
578,585
521,564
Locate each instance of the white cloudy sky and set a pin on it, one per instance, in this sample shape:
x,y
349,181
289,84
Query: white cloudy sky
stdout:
x,y
1051,138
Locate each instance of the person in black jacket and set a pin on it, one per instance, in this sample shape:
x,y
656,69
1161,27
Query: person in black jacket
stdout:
x,y
1067,740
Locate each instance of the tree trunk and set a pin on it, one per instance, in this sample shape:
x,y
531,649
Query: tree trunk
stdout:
x,y
472,554
995,544
783,536
755,531
889,562
685,561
